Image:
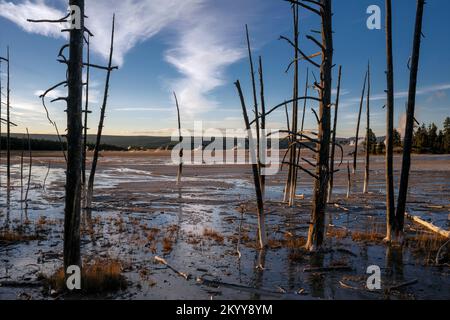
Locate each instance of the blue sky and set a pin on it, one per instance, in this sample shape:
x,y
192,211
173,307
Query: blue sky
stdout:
x,y
197,48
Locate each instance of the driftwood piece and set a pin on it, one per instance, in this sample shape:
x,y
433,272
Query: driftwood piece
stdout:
x,y
164,262
401,285
216,283
428,225
327,269
21,284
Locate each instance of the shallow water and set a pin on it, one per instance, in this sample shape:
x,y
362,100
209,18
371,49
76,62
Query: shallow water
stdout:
x,y
134,195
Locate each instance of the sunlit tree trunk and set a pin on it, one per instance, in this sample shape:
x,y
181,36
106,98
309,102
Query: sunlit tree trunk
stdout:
x,y
333,141
317,226
90,189
390,201
368,142
407,145
72,254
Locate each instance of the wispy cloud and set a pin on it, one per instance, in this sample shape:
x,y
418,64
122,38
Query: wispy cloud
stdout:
x,y
204,49
433,89
205,38
38,9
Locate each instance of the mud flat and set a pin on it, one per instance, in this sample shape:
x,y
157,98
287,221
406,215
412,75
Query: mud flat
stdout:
x,y
205,231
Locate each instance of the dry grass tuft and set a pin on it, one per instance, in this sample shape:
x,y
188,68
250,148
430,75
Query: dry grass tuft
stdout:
x,y
338,233
167,245
99,276
296,243
367,236
213,235
17,236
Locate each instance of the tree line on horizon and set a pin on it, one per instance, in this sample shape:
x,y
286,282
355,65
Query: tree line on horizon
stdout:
x,y
427,139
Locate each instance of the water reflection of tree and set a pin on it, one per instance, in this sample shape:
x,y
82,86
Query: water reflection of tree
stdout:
x,y
259,267
394,263
317,280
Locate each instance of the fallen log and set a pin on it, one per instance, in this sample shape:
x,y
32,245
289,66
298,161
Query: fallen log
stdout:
x,y
428,225
217,283
402,285
19,284
164,262
326,269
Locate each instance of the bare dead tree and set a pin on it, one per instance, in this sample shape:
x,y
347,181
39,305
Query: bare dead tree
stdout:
x,y
317,225
349,180
390,204
86,110
180,138
293,156
302,127
368,142
333,140
46,175
262,237
355,152
8,120
407,144
109,69
72,254
30,166
1,122
21,170
255,106
263,121
290,188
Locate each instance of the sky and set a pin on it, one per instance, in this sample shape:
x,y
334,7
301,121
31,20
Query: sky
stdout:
x,y
197,48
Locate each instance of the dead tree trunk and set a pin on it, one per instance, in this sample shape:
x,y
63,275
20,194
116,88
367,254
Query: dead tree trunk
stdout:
x,y
72,254
8,123
293,158
368,142
30,166
390,204
180,165
21,170
355,152
407,145
1,105
256,173
317,225
255,105
302,126
263,123
349,180
110,68
86,110
333,141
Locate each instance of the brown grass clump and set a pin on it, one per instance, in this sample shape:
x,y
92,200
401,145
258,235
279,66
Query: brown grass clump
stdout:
x,y
167,245
99,276
338,233
213,235
296,243
42,221
427,245
367,236
15,236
